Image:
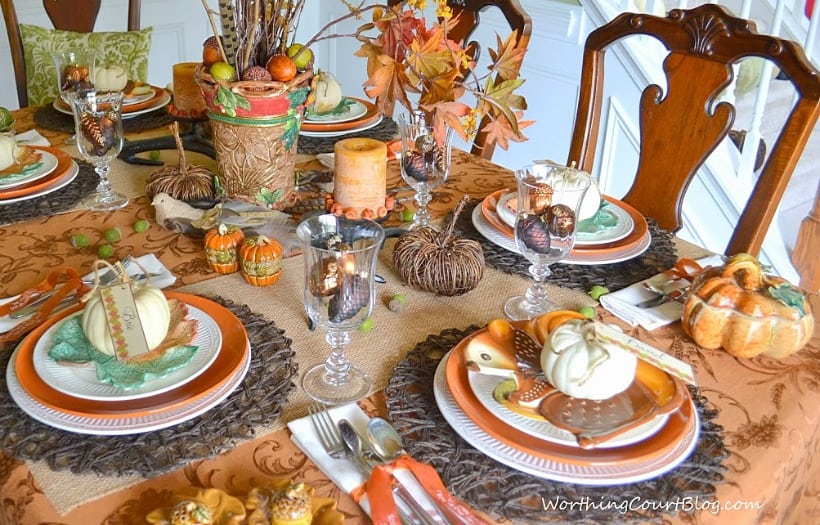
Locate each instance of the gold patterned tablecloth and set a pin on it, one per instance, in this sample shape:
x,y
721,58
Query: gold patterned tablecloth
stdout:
x,y
770,409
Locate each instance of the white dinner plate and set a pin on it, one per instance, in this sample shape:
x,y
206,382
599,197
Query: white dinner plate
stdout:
x,y
130,100
583,474
48,162
354,111
163,101
622,228
60,183
328,134
483,385
81,380
496,237
120,425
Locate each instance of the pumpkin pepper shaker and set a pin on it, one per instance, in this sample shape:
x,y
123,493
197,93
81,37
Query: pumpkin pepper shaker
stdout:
x,y
221,248
260,260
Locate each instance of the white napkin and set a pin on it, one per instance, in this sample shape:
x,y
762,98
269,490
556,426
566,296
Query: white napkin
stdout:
x,y
149,262
31,138
622,303
343,472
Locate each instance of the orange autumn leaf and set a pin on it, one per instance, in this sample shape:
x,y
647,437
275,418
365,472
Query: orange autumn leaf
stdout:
x,y
506,61
500,131
388,83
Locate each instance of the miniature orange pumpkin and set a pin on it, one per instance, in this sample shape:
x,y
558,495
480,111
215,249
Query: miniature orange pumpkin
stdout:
x,y
261,260
746,312
221,245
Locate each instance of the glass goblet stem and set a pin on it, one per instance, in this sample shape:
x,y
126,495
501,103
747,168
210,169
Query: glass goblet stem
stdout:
x,y
337,366
104,185
536,294
422,217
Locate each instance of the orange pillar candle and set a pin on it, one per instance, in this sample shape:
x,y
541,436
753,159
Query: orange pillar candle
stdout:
x,y
360,180
188,100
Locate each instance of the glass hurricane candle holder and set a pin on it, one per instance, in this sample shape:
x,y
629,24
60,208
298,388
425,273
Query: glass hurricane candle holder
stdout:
x,y
549,198
425,160
98,121
340,263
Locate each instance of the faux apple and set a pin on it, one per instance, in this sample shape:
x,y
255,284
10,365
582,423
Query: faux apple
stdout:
x,y
302,59
282,68
222,71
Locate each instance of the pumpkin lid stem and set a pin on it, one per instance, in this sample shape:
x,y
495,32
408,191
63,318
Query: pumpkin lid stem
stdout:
x,y
183,165
445,234
746,270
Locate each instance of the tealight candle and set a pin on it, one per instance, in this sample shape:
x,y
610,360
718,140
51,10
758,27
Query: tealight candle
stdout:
x,y
360,180
188,100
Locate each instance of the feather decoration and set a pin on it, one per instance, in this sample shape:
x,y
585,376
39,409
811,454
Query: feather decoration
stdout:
x,y
229,36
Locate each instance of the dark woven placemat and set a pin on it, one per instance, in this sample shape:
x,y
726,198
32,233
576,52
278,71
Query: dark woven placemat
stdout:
x,y
258,400
58,201
49,118
504,492
661,255
386,130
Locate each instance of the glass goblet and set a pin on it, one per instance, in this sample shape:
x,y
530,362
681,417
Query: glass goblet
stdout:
x,y
340,262
425,160
98,123
549,198
75,69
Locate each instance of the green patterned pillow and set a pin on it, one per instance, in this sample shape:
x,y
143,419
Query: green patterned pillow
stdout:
x,y
129,49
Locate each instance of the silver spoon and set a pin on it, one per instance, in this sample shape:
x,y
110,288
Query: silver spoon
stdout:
x,y
353,441
386,442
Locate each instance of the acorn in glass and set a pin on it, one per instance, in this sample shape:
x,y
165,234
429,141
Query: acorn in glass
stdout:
x,y
548,203
340,258
98,122
425,160
75,69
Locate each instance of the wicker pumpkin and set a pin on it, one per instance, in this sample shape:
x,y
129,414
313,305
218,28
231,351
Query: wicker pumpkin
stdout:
x,y
260,260
184,182
439,262
747,313
221,247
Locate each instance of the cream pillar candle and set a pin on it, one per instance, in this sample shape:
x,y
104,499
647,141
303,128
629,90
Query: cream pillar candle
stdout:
x,y
188,100
360,180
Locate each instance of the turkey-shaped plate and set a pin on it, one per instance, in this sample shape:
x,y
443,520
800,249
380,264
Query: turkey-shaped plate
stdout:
x,y
505,376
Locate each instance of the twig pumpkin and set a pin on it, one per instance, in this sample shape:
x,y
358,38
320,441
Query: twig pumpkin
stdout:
x,y
184,182
439,262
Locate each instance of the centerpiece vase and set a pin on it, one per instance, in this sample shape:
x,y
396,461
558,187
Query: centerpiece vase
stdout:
x,y
255,127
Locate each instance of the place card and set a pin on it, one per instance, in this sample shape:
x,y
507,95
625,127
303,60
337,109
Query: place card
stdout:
x,y
124,323
647,353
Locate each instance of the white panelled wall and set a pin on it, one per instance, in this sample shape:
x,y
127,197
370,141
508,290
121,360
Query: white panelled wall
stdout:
x,y
552,73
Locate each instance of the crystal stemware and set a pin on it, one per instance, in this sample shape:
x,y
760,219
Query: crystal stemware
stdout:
x,y
75,69
425,160
549,198
98,123
340,262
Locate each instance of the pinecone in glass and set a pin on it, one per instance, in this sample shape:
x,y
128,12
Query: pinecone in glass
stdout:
x,y
351,296
415,166
99,131
533,231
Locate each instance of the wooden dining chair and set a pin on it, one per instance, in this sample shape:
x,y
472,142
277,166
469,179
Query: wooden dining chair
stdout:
x,y
78,16
681,126
468,13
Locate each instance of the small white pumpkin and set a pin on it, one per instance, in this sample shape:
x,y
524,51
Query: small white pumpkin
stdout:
x,y
110,78
153,311
575,178
580,364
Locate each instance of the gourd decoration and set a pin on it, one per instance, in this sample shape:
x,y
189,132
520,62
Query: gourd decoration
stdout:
x,y
439,262
739,308
222,248
110,78
184,182
579,363
260,260
152,308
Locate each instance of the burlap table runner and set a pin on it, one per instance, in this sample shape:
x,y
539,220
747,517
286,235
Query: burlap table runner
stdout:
x,y
64,199
504,492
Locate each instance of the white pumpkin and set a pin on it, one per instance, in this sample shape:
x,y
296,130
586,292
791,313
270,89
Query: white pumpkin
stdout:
x,y
110,78
328,92
575,178
10,151
153,311
580,364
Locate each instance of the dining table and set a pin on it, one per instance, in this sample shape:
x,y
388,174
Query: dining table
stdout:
x,y
757,457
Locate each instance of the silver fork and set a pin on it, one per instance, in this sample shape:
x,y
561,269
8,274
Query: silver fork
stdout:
x,y
331,440
106,278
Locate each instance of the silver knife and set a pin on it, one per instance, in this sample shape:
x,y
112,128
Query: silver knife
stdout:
x,y
663,298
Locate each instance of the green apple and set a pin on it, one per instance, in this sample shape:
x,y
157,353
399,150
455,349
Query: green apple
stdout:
x,y
303,59
222,71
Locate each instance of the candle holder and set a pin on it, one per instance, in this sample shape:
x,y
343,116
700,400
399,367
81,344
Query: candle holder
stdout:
x,y
340,263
